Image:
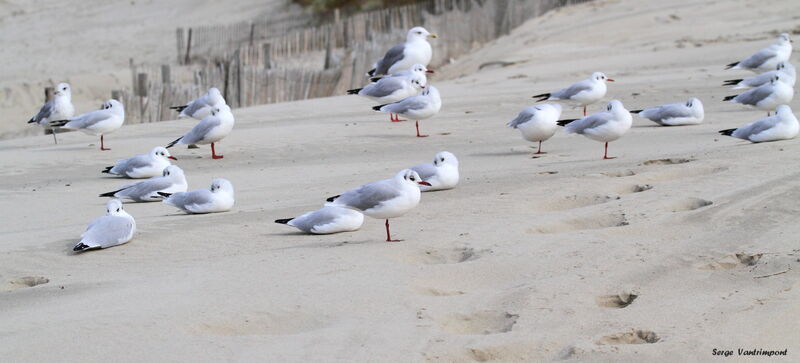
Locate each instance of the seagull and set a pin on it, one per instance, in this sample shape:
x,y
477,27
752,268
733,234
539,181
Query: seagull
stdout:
x,y
417,68
785,69
383,199
416,50
58,109
675,114
209,130
537,123
604,126
767,58
392,89
767,96
201,107
782,126
420,107
107,119
143,165
115,228
441,174
172,180
218,199
326,221
582,93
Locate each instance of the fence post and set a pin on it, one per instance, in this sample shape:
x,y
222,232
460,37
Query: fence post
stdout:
x,y
48,94
179,38
141,91
165,74
267,55
188,47
252,33
329,51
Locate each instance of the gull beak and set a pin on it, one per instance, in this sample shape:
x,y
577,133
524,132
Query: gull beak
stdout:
x,y
424,183
432,36
609,79
429,71
423,87
172,157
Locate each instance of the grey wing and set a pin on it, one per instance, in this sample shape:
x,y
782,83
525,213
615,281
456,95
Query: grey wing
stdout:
x,y
199,131
671,110
87,119
754,96
394,55
572,90
146,187
129,164
193,107
319,217
408,104
425,171
369,195
384,87
108,231
589,122
193,198
756,60
523,117
44,112
755,128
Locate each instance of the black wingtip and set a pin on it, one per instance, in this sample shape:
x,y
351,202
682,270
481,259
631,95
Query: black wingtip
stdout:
x,y
565,122
378,107
542,97
331,199
731,82
174,142
371,72
80,247
31,121
354,91
727,132
728,98
729,66
165,195
110,194
635,111
283,221
107,170
178,108
58,123
375,79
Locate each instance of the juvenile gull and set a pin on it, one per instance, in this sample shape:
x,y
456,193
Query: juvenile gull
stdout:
x,y
767,58
420,107
326,221
785,69
107,119
582,93
675,114
59,108
172,180
782,126
143,165
441,174
201,107
115,228
219,198
767,96
383,199
604,126
209,130
537,123
416,50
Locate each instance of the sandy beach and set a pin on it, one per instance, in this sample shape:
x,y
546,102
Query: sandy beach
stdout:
x,y
524,261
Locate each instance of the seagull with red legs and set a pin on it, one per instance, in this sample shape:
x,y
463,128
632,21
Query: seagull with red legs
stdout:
x,y
604,126
582,93
394,88
209,130
537,123
420,107
107,119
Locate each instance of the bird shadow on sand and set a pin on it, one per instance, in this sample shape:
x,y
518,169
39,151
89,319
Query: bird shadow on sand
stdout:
x,y
320,244
503,153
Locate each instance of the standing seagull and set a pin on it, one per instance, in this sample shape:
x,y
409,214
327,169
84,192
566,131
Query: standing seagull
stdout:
x,y
115,228
767,58
537,123
383,199
172,180
784,69
326,221
392,89
209,130
58,109
675,114
415,69
143,165
782,126
106,120
604,126
420,107
582,93
767,96
219,198
416,50
441,174
201,107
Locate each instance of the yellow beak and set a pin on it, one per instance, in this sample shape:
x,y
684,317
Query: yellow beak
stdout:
x,y
432,36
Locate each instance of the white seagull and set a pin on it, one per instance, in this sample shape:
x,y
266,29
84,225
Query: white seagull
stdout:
x,y
582,93
415,69
383,199
416,50
785,69
441,174
675,114
209,130
767,58
392,89
537,123
782,126
326,221
115,228
420,107
172,180
107,119
59,108
604,126
767,96
201,107
143,165
219,198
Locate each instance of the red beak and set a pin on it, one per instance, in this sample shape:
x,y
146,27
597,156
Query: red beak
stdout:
x,y
609,79
429,71
424,183
172,157
423,87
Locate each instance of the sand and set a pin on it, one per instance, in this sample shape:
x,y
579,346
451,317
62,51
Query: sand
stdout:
x,y
526,260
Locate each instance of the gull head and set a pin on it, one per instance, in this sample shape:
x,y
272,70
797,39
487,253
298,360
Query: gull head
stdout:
x,y
785,38
63,89
114,105
114,208
695,104
775,79
173,171
410,176
220,185
419,33
445,158
615,106
600,77
215,96
419,81
419,68
161,152
783,111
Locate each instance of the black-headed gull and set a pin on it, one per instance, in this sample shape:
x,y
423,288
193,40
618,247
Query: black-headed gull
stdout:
x,y
393,89
767,96
60,108
201,107
582,93
767,58
604,126
441,174
782,126
417,68
143,165
218,198
537,123
326,221
416,50
675,114
106,120
785,69
383,199
115,228
420,107
209,130
172,180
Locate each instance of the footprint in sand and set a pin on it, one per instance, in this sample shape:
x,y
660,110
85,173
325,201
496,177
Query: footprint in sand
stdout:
x,y
27,281
438,292
637,188
632,337
670,161
688,204
619,174
583,223
616,301
480,322
574,201
448,256
732,261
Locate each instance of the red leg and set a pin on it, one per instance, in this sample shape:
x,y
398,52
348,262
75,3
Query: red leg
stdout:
x,y
605,155
584,111
389,236
101,144
418,135
540,150
395,117
214,153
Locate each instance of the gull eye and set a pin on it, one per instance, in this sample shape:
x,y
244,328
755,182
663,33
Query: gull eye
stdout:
x,y
442,159
117,209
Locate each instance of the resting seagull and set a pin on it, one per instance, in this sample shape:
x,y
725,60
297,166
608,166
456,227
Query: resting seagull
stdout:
x,y
782,126
201,107
537,123
784,69
143,165
59,108
326,221
113,229
106,120
416,50
767,58
172,180
767,96
675,114
604,126
582,93
392,89
441,174
218,198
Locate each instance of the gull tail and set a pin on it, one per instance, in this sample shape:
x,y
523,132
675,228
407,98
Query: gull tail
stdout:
x,y
727,132
57,123
731,82
31,121
565,122
542,97
107,170
111,194
635,111
331,199
375,79
354,91
371,72
734,64
174,142
728,98
178,108
283,221
378,108
82,247
165,195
